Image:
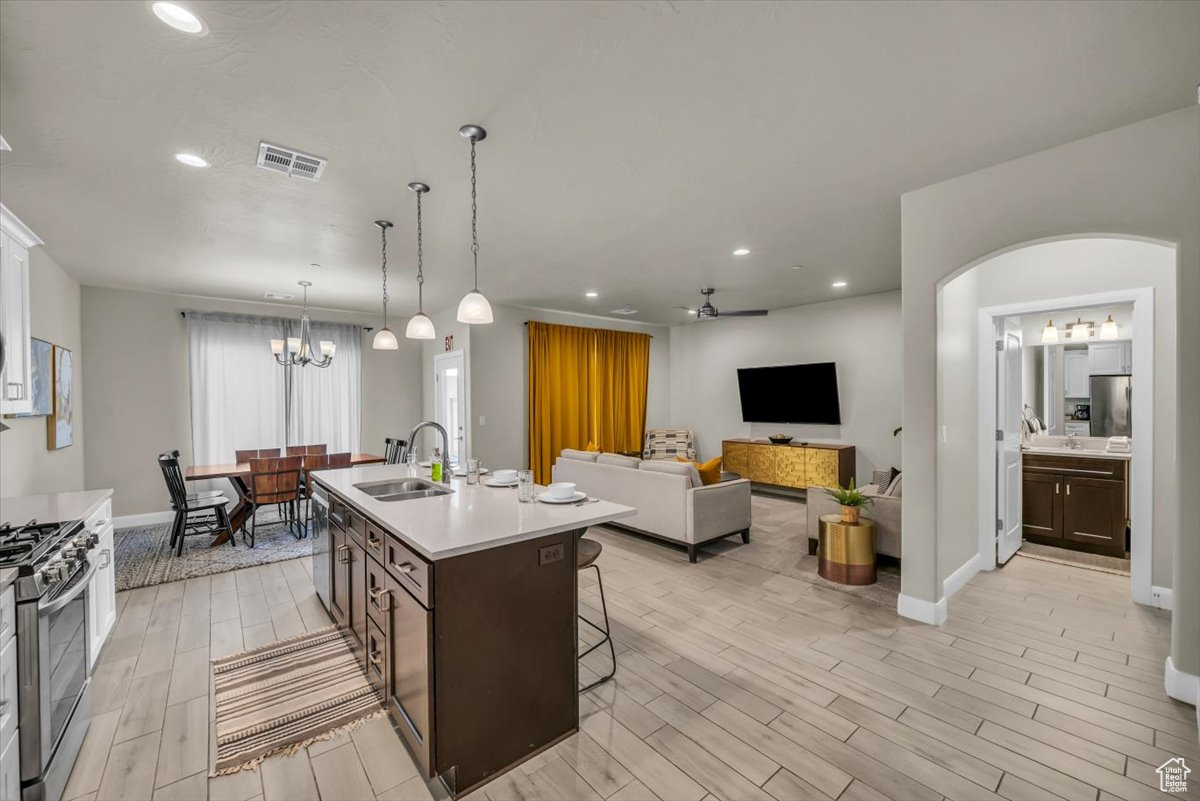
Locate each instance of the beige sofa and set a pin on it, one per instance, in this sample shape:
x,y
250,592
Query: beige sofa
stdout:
x,y
671,502
884,510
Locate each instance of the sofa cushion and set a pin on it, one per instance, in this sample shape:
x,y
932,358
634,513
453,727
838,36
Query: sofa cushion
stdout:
x,y
617,460
883,478
582,456
678,468
710,471
893,491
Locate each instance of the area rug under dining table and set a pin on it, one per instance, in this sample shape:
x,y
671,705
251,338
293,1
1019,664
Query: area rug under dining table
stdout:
x,y
143,557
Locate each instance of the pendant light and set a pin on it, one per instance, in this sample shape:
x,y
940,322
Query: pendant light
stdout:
x,y
420,326
384,338
299,350
1109,329
474,308
1049,333
1079,330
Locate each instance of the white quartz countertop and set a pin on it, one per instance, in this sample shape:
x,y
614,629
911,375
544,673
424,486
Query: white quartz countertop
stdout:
x,y
474,517
56,507
1083,453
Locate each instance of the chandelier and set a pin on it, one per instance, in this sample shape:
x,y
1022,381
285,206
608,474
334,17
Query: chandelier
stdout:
x,y
300,352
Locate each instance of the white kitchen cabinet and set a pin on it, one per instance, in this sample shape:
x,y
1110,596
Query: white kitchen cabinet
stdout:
x,y
16,380
10,758
1076,372
1111,358
102,595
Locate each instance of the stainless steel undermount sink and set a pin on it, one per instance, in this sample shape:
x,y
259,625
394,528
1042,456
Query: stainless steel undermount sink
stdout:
x,y
403,489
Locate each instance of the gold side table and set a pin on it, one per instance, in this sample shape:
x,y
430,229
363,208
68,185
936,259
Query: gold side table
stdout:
x,y
846,551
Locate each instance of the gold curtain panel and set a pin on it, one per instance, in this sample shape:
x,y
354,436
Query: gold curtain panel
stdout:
x,y
585,385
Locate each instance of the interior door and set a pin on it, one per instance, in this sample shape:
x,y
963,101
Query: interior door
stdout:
x,y
450,382
1008,440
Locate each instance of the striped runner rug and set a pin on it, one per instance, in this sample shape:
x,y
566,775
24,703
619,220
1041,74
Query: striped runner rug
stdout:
x,y
284,696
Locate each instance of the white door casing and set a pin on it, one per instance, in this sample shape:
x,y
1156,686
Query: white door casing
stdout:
x,y
1008,439
450,399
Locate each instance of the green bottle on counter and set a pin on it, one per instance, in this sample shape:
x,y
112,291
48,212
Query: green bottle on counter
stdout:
x,y
435,466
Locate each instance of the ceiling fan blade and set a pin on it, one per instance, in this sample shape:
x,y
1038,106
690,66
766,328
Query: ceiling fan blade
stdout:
x,y
745,313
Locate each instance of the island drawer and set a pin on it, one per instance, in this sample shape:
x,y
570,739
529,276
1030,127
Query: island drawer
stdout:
x,y
339,513
413,572
356,527
377,581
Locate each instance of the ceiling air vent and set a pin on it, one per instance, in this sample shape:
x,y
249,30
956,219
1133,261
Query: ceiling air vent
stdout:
x,y
290,162
278,296
626,310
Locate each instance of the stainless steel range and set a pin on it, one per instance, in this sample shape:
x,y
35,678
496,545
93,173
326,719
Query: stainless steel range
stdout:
x,y
55,565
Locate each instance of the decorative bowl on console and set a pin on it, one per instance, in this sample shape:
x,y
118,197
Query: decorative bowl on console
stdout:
x,y
779,439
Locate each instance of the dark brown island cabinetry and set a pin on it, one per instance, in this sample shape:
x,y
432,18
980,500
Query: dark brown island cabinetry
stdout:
x,y
1076,502
475,653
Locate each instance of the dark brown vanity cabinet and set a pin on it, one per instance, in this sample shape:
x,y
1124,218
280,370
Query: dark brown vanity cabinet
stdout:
x,y
1076,502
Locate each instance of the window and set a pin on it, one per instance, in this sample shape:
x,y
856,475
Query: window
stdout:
x,y
242,399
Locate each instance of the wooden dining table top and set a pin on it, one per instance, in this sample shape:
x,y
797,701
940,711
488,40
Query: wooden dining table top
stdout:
x,y
197,472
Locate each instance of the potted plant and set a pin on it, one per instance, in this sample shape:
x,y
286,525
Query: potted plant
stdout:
x,y
851,500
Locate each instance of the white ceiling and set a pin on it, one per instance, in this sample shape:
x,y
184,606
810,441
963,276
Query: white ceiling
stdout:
x,y
631,148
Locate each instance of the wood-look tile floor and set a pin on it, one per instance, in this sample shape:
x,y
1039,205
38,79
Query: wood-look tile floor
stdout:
x,y
733,683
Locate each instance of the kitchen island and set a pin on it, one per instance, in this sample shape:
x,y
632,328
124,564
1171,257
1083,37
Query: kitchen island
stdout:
x,y
463,607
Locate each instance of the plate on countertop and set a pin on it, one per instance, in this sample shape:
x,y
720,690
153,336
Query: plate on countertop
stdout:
x,y
482,471
576,498
492,482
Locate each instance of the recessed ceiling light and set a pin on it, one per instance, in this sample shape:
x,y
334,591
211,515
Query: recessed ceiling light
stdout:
x,y
190,160
742,252
179,18
591,294
839,284
625,310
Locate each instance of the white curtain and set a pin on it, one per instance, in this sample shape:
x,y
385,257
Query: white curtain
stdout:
x,y
239,393
325,402
242,399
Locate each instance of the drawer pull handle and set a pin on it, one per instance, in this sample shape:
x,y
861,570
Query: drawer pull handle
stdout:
x,y
373,543
1068,487
107,558
376,657
1057,486
381,598
404,568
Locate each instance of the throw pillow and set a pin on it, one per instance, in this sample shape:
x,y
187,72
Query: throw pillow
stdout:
x,y
883,478
710,471
894,491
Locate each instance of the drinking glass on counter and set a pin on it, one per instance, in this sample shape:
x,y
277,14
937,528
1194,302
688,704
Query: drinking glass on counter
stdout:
x,y
525,486
472,471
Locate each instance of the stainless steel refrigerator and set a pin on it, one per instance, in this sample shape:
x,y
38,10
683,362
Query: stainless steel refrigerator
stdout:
x,y
1112,410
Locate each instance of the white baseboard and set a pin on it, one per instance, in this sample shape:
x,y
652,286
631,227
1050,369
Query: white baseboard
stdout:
x,y
925,611
955,581
1182,686
1162,597
146,519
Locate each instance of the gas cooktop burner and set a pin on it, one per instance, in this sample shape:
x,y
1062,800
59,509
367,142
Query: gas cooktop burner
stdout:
x,y
44,554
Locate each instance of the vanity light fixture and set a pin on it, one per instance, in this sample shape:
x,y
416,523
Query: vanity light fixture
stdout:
x,y
1080,331
1049,333
299,349
1109,329
190,160
384,339
474,308
420,326
179,18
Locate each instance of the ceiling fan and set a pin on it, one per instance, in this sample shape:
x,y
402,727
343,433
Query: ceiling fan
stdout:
x,y
707,311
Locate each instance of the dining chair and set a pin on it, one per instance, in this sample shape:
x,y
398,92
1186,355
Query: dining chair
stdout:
x,y
306,450
192,515
194,496
393,450
241,457
274,480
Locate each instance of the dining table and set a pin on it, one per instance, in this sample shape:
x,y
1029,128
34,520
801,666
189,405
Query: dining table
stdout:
x,y
238,474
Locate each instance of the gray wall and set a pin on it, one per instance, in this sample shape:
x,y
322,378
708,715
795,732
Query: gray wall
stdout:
x,y
27,467
500,380
861,334
1055,269
136,378
1140,180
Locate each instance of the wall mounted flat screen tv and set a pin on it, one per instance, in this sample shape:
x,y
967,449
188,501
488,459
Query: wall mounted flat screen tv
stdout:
x,y
794,393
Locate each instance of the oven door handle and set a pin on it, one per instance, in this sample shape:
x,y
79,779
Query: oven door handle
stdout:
x,y
80,588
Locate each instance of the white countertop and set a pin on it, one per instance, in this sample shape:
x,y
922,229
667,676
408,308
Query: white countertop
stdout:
x,y
56,507
1085,453
472,518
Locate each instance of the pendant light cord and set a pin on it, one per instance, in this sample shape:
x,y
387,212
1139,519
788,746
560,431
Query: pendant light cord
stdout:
x,y
420,266
383,230
474,232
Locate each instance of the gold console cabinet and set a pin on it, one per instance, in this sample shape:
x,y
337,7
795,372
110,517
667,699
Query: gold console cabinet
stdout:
x,y
795,466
